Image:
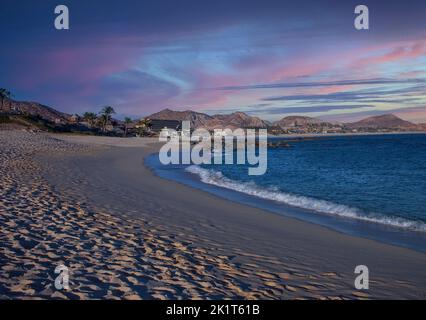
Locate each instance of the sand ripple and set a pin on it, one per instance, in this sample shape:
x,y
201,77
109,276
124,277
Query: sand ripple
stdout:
x,y
116,257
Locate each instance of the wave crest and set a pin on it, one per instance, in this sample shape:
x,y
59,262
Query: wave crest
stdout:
x,y
216,178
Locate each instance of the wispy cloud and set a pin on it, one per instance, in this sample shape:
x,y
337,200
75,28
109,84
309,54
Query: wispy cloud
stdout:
x,y
276,55
313,109
399,95
379,81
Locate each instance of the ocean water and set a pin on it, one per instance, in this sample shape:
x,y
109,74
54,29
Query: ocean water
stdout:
x,y
372,186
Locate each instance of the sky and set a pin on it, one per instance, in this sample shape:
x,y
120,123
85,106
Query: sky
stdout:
x,y
268,58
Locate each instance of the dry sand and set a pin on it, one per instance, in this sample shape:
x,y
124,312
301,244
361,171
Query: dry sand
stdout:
x,y
127,234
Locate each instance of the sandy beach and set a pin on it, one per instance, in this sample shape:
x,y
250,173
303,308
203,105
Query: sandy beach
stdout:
x,y
90,204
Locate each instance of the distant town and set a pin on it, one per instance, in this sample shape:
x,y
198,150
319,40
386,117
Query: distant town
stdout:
x,y
35,116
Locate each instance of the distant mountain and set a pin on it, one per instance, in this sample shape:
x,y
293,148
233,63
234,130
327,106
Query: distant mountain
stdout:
x,y
295,121
201,120
36,109
422,126
240,120
386,121
219,121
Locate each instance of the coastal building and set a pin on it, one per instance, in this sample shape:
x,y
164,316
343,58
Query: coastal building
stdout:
x,y
109,127
157,125
75,118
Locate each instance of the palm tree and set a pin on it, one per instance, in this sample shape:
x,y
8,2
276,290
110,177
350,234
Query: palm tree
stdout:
x,y
90,117
143,125
101,121
106,114
127,121
4,93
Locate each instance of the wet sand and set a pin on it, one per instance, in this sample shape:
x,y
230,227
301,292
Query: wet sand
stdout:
x,y
126,234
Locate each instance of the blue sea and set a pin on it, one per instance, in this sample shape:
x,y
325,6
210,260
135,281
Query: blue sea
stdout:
x,y
371,186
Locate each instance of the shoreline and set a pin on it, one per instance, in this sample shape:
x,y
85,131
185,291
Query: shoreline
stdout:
x,y
140,236
314,247
354,226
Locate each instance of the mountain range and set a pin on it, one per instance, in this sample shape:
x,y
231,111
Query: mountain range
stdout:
x,y
198,120
383,122
232,121
242,120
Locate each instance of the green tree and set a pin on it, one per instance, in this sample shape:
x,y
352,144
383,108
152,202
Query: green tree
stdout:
x,y
90,118
4,93
144,126
127,121
101,121
105,117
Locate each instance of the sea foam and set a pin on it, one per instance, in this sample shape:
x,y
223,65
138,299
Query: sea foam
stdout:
x,y
216,178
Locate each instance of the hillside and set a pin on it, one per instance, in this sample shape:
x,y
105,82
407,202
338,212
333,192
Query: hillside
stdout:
x,y
294,121
35,109
33,114
241,120
386,121
29,122
197,119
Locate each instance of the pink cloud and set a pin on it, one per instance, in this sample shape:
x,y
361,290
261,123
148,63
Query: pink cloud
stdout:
x,y
394,54
335,89
86,65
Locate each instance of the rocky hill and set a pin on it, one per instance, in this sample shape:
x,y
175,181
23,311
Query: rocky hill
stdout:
x,y
386,121
35,112
35,109
241,120
295,121
198,120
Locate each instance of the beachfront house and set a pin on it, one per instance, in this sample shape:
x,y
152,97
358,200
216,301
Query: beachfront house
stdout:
x,y
169,125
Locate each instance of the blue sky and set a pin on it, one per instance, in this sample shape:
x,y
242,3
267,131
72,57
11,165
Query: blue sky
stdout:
x,y
267,58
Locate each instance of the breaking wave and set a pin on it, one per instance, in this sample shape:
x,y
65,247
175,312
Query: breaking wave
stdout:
x,y
218,179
